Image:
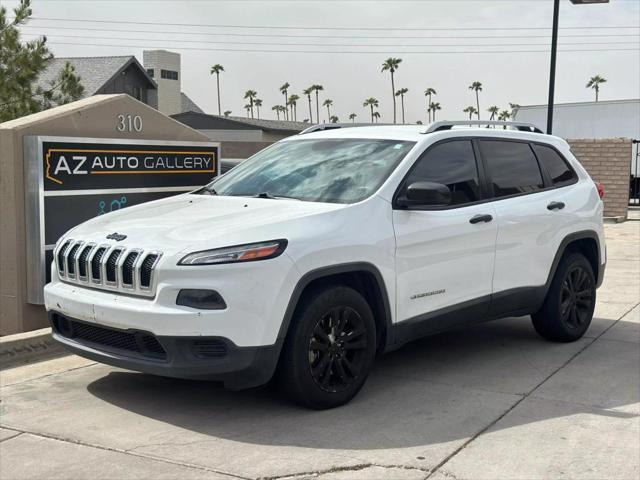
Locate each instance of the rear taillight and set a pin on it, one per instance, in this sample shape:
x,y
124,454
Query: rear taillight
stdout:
x,y
600,190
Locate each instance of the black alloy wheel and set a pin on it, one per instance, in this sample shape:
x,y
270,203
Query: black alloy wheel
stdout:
x,y
568,307
337,349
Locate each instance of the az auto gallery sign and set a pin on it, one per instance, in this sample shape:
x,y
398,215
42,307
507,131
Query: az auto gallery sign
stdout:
x,y
70,180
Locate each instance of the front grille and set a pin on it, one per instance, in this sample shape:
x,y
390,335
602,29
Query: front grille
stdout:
x,y
108,267
140,343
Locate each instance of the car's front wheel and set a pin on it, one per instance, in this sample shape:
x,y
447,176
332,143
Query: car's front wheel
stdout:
x,y
568,308
329,349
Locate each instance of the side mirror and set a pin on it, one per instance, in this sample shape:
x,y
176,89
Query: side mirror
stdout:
x,y
425,194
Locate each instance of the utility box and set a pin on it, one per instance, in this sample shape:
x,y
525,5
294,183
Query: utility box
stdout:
x,y
66,165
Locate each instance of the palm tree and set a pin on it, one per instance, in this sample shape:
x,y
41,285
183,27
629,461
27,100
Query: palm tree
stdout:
x,y
283,90
400,93
493,110
471,110
371,102
514,109
250,94
433,107
308,93
392,65
352,117
376,116
276,108
248,108
477,87
594,82
333,119
283,110
258,103
217,68
427,93
503,117
317,88
327,103
227,113
293,103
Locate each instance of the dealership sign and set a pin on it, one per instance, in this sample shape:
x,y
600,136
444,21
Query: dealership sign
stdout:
x,y
70,180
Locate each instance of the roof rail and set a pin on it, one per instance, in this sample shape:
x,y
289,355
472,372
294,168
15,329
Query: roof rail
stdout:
x,y
448,125
332,126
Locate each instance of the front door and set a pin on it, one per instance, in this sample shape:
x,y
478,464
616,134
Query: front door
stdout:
x,y
445,255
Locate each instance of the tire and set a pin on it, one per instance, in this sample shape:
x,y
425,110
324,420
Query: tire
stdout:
x,y
568,307
330,348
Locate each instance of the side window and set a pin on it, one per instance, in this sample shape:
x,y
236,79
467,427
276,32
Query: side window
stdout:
x,y
559,170
512,167
452,164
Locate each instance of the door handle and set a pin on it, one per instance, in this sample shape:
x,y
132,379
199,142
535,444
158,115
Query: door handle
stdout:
x,y
481,218
555,206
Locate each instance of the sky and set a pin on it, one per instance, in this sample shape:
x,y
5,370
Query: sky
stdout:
x,y
328,28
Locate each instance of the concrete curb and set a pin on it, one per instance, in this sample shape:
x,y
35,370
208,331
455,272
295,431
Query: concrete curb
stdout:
x,y
28,347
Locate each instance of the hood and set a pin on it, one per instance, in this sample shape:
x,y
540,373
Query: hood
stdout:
x,y
182,222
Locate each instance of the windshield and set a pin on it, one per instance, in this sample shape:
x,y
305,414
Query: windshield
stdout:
x,y
319,170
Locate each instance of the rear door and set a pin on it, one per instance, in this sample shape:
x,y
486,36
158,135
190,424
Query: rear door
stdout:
x,y
444,255
530,215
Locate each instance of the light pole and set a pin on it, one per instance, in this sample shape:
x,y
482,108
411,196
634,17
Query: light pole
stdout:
x,y
554,53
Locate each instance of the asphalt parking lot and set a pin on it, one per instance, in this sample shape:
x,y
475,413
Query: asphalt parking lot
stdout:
x,y
490,402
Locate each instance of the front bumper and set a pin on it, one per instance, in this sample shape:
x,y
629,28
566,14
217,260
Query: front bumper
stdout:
x,y
198,358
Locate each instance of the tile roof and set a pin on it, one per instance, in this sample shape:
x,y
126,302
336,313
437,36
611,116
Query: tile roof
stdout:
x,y
94,72
189,105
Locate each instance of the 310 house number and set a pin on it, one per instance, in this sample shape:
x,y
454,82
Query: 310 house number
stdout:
x,y
129,123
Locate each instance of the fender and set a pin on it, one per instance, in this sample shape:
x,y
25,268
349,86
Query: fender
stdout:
x,y
572,237
321,272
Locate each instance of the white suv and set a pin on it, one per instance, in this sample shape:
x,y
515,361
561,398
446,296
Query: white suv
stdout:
x,y
330,247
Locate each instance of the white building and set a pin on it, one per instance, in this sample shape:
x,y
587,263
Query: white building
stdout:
x,y
603,119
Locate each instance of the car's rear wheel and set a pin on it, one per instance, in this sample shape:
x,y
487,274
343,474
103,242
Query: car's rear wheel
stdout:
x,y
568,308
330,348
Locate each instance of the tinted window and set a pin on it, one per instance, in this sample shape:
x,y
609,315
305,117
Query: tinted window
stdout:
x,y
452,164
558,169
513,168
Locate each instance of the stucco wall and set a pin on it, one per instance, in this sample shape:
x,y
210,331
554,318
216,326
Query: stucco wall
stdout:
x,y
608,161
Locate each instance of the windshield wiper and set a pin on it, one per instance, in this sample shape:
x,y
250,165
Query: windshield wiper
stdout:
x,y
272,197
209,190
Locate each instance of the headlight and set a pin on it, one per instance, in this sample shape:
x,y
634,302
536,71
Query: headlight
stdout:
x,y
240,253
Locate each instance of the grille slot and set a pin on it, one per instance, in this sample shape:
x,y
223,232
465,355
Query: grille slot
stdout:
x,y
111,267
60,259
127,268
96,274
146,270
82,261
140,343
71,260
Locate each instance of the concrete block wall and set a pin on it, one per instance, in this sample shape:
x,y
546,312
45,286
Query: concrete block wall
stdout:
x,y
608,161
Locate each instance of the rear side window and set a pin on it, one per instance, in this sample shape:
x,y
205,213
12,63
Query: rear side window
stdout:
x,y
513,168
559,170
452,164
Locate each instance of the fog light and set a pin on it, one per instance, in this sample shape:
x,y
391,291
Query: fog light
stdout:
x,y
201,299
